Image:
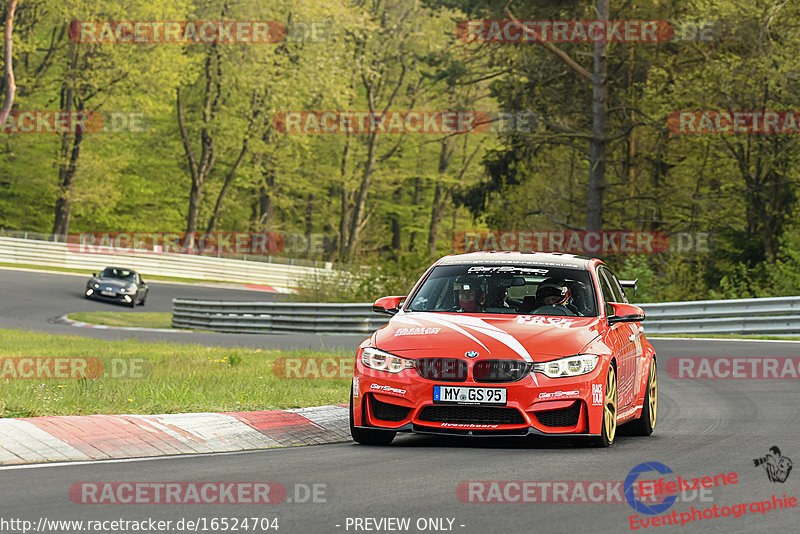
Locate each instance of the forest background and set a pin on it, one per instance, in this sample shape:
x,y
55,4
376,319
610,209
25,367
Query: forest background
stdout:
x,y
206,154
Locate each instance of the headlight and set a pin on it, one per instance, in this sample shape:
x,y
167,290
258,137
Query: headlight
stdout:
x,y
383,361
96,285
571,366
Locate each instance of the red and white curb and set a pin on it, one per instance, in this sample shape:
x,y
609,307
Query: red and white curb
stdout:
x,y
99,437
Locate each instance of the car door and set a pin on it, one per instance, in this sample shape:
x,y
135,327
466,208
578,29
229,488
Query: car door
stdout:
x,y
636,337
625,336
143,287
139,291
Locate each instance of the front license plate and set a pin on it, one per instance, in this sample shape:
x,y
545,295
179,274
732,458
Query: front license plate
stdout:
x,y
108,293
466,395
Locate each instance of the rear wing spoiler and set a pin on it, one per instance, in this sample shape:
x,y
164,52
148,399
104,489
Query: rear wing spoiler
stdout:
x,y
633,284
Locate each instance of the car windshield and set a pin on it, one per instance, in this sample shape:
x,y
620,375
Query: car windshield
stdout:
x,y
120,274
527,289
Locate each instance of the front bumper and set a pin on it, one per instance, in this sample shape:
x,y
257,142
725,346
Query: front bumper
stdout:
x,y
535,405
121,298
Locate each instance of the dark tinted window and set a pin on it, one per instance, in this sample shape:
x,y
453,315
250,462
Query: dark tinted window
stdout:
x,y
616,286
613,283
120,274
505,288
605,287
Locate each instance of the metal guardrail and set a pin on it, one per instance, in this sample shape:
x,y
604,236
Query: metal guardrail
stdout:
x,y
744,316
778,315
275,317
261,258
57,254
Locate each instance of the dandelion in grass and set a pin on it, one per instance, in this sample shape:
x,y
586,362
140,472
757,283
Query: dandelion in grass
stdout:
x,y
130,400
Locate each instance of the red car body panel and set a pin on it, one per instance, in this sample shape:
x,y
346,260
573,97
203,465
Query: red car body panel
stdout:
x,y
532,338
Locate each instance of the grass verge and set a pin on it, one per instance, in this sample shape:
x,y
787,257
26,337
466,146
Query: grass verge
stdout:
x,y
177,378
139,319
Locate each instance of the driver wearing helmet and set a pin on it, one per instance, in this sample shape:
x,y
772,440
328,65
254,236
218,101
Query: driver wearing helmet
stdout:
x,y
549,294
555,293
469,294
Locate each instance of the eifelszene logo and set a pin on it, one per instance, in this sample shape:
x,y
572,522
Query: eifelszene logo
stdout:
x,y
630,484
777,467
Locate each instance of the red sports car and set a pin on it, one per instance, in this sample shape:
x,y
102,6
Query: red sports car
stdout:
x,y
507,344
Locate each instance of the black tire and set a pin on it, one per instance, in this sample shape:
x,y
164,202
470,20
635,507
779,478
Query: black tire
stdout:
x,y
144,298
647,422
367,436
610,410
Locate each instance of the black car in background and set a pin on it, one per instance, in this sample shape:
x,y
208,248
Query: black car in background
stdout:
x,y
117,285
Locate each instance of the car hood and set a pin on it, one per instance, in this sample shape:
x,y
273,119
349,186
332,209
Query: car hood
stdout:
x,y
503,336
114,283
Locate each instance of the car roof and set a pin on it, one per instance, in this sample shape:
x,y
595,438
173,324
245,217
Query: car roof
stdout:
x,y
121,269
514,257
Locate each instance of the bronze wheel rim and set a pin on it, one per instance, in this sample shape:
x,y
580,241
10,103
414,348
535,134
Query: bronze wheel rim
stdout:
x,y
610,407
653,386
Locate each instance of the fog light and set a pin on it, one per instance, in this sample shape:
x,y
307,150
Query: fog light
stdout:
x,y
89,291
127,298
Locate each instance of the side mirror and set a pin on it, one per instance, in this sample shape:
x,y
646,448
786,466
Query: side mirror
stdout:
x,y
625,313
388,305
94,274
630,284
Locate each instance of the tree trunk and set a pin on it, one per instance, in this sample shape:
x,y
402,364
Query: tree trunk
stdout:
x,y
437,208
199,170
212,223
309,223
344,218
436,217
10,85
597,163
68,155
361,199
397,230
414,203
265,203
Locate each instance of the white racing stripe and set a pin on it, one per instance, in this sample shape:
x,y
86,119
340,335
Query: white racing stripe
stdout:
x,y
439,320
406,320
498,334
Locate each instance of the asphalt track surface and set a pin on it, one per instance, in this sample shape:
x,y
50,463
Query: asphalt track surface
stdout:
x,y
33,300
704,428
